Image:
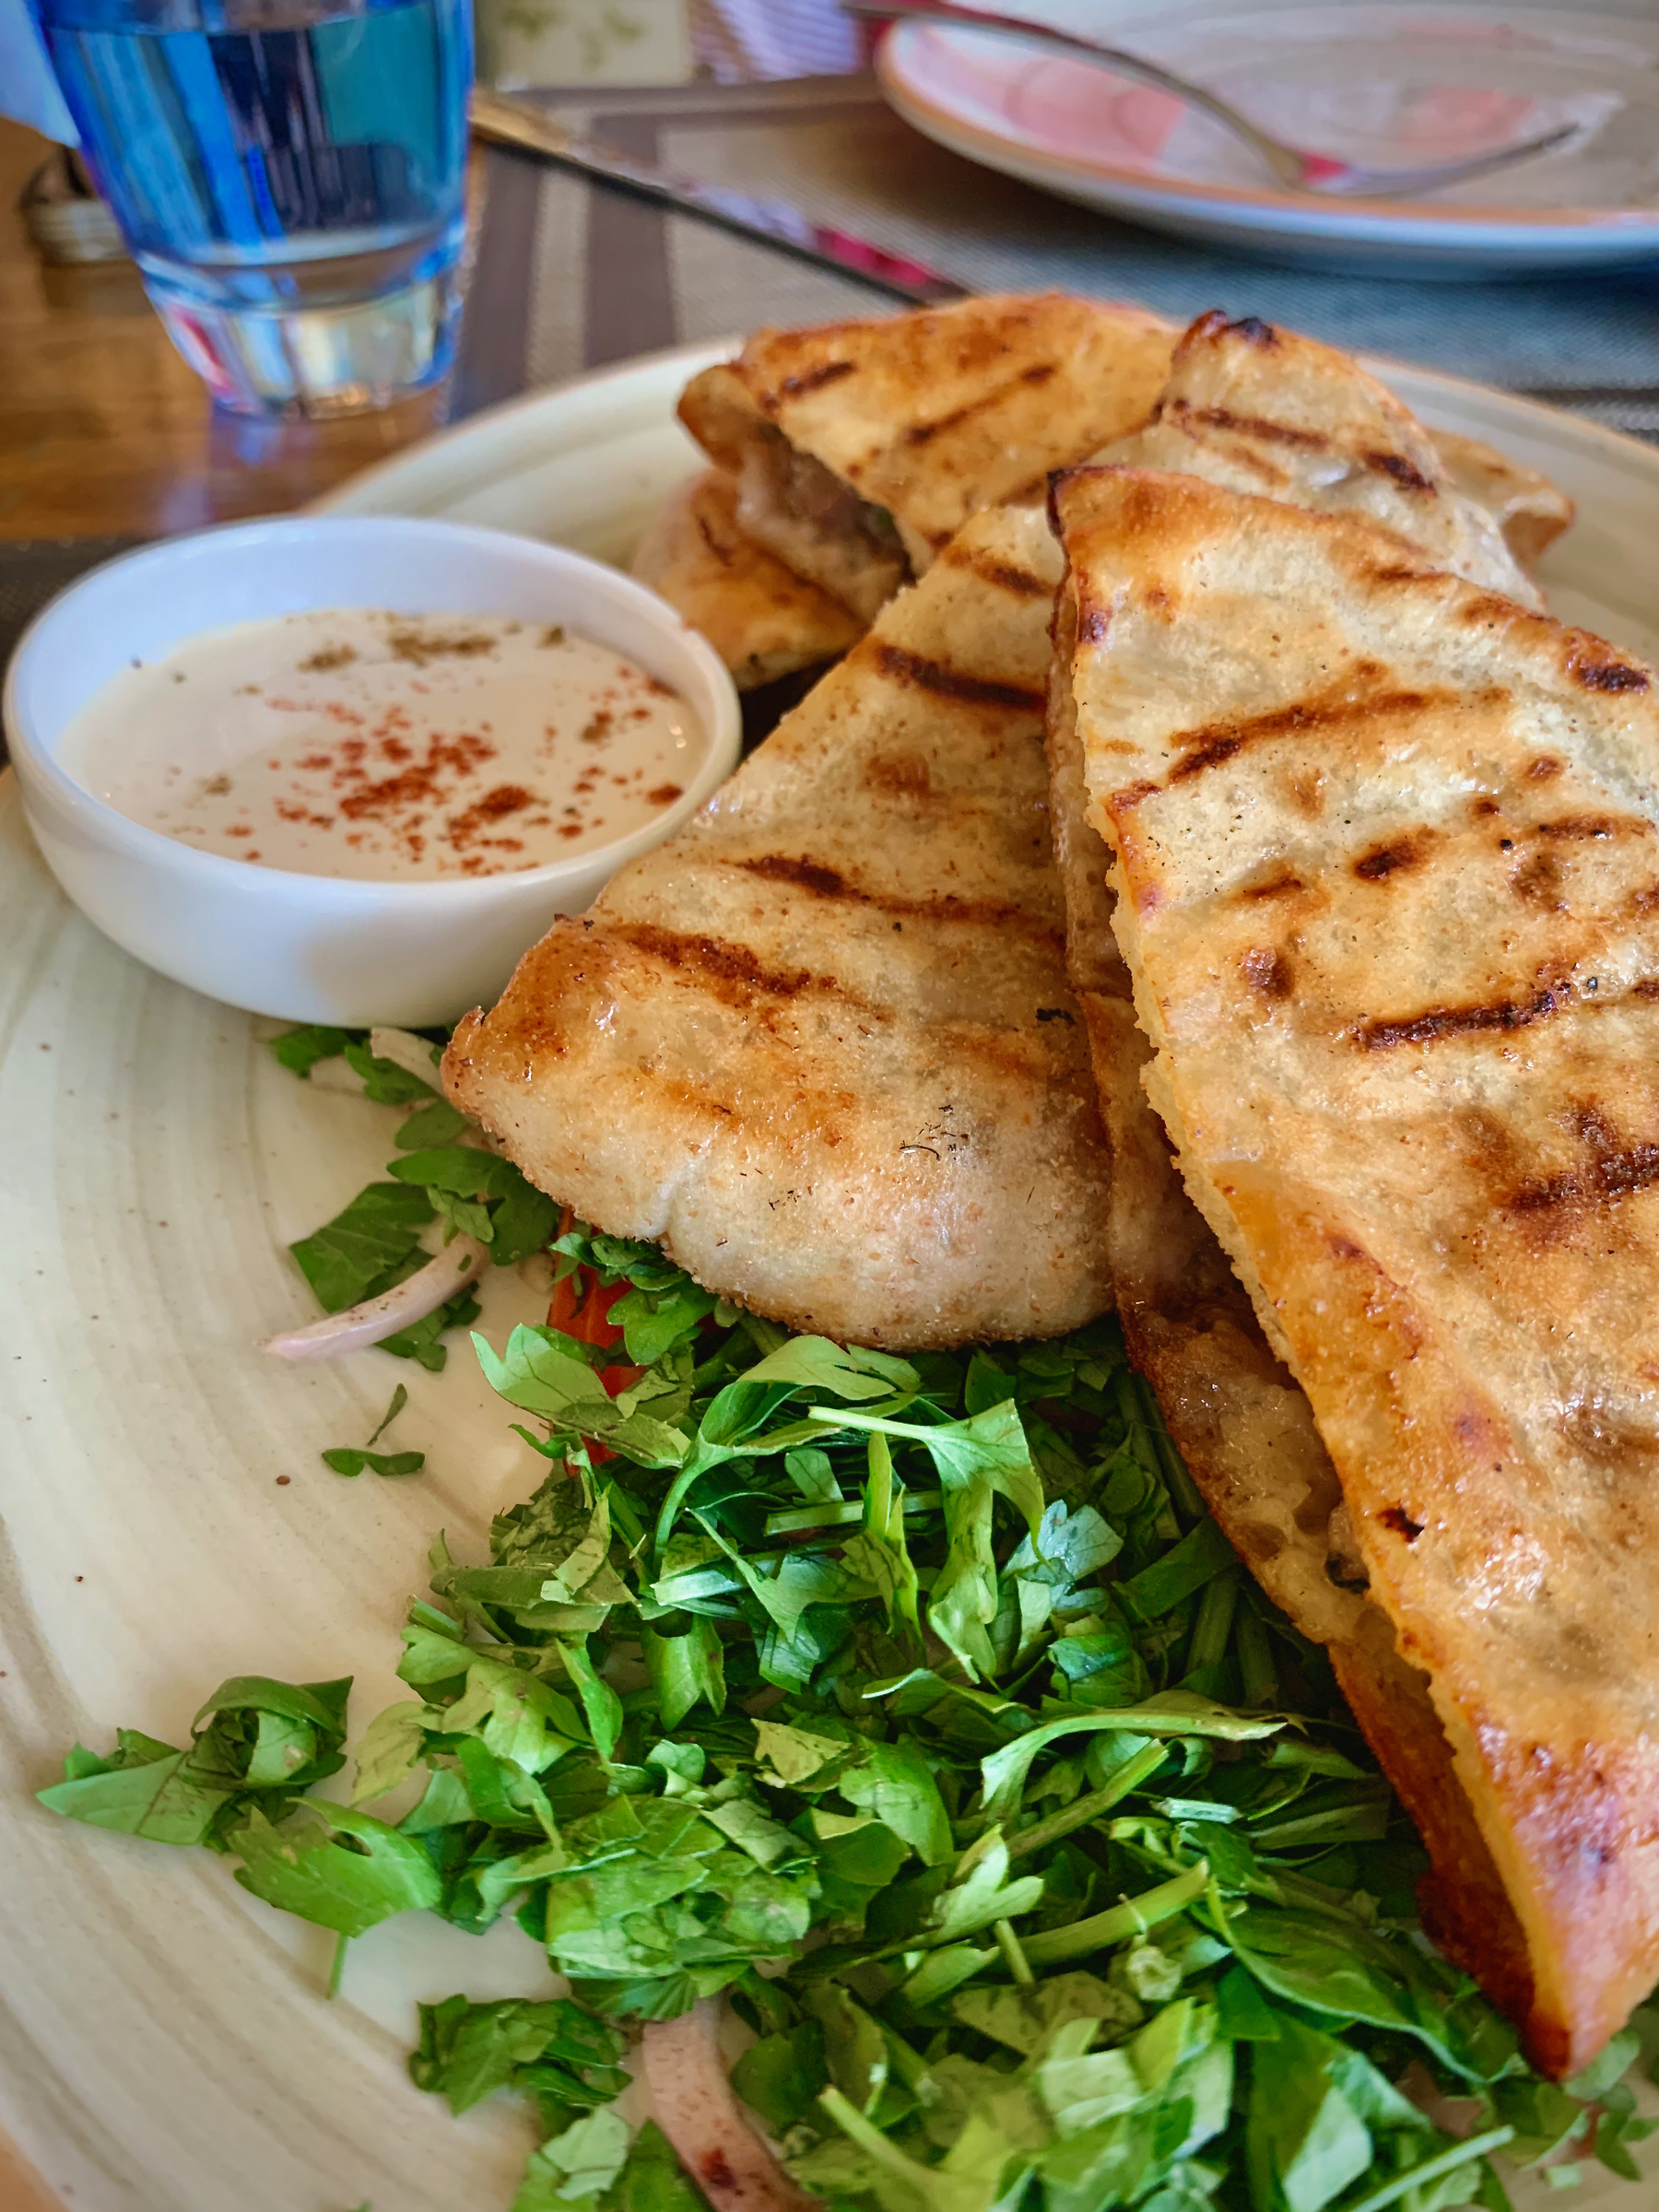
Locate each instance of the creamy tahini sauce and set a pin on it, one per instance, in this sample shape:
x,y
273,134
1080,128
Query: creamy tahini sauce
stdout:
x,y
357,742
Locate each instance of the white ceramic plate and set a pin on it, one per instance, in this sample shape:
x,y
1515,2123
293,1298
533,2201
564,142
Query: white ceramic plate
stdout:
x,y
164,2043
1393,86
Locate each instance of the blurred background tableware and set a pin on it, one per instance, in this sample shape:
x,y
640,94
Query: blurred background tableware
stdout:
x,y
288,175
1295,167
1385,84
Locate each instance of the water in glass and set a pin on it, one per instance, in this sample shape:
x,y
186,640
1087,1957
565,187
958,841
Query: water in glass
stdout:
x,y
289,180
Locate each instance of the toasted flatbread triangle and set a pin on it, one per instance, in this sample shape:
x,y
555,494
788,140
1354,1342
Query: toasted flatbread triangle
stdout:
x,y
763,620
856,450
861,448
1246,404
1263,410
1241,1424
821,1044
1389,893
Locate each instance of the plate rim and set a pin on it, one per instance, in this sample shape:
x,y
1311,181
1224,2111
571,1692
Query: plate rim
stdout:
x,y
1345,220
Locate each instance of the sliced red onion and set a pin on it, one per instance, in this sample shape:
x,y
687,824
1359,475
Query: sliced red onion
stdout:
x,y
405,1050
460,1260
694,2106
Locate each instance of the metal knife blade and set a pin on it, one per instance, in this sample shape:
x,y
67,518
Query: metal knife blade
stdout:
x,y
516,123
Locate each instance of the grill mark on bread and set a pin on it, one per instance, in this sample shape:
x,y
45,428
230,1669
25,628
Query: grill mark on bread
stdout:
x,y
1274,886
1215,325
1436,1022
823,882
731,971
1538,881
1212,743
808,380
1590,663
1608,1177
1402,472
1383,861
1094,620
1488,611
1002,575
806,875
923,433
1269,971
907,772
916,671
1396,1518
1579,827
1250,426
721,553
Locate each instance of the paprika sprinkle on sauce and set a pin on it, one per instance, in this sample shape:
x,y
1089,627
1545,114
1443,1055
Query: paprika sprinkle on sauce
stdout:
x,y
357,742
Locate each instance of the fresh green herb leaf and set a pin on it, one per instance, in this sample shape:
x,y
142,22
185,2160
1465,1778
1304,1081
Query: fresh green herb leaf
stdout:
x,y
1034,1846
572,2172
652,2178
433,1124
484,1194
298,1049
346,1459
384,1081
335,1866
365,1248
553,2050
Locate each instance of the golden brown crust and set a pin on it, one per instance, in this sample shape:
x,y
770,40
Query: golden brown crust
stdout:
x,y
1390,897
821,1044
763,620
1263,410
928,417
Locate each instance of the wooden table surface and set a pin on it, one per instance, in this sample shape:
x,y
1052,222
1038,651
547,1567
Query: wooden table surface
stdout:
x,y
103,429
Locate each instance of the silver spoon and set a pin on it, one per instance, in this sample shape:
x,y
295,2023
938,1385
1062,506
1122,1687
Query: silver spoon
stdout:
x,y
1289,165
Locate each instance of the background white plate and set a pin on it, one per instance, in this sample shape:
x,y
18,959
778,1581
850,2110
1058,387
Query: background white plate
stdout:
x,y
164,2043
1385,82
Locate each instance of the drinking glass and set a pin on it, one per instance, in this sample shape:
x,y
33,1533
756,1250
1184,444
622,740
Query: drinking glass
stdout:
x,y
289,175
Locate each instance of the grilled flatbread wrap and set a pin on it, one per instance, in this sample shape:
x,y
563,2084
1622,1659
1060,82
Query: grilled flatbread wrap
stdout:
x,y
1388,884
763,620
1263,410
1327,436
861,448
821,1044
1241,1424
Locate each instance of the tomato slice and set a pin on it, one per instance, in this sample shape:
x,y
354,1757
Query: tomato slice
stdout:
x,y
582,1308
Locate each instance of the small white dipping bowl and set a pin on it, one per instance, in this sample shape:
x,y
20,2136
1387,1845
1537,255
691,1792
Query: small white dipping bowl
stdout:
x,y
318,948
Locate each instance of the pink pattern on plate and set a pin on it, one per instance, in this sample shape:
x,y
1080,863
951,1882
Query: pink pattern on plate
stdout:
x,y
1447,121
1086,110
1071,108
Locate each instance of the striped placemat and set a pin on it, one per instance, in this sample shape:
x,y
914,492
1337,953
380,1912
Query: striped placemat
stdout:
x,y
572,276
